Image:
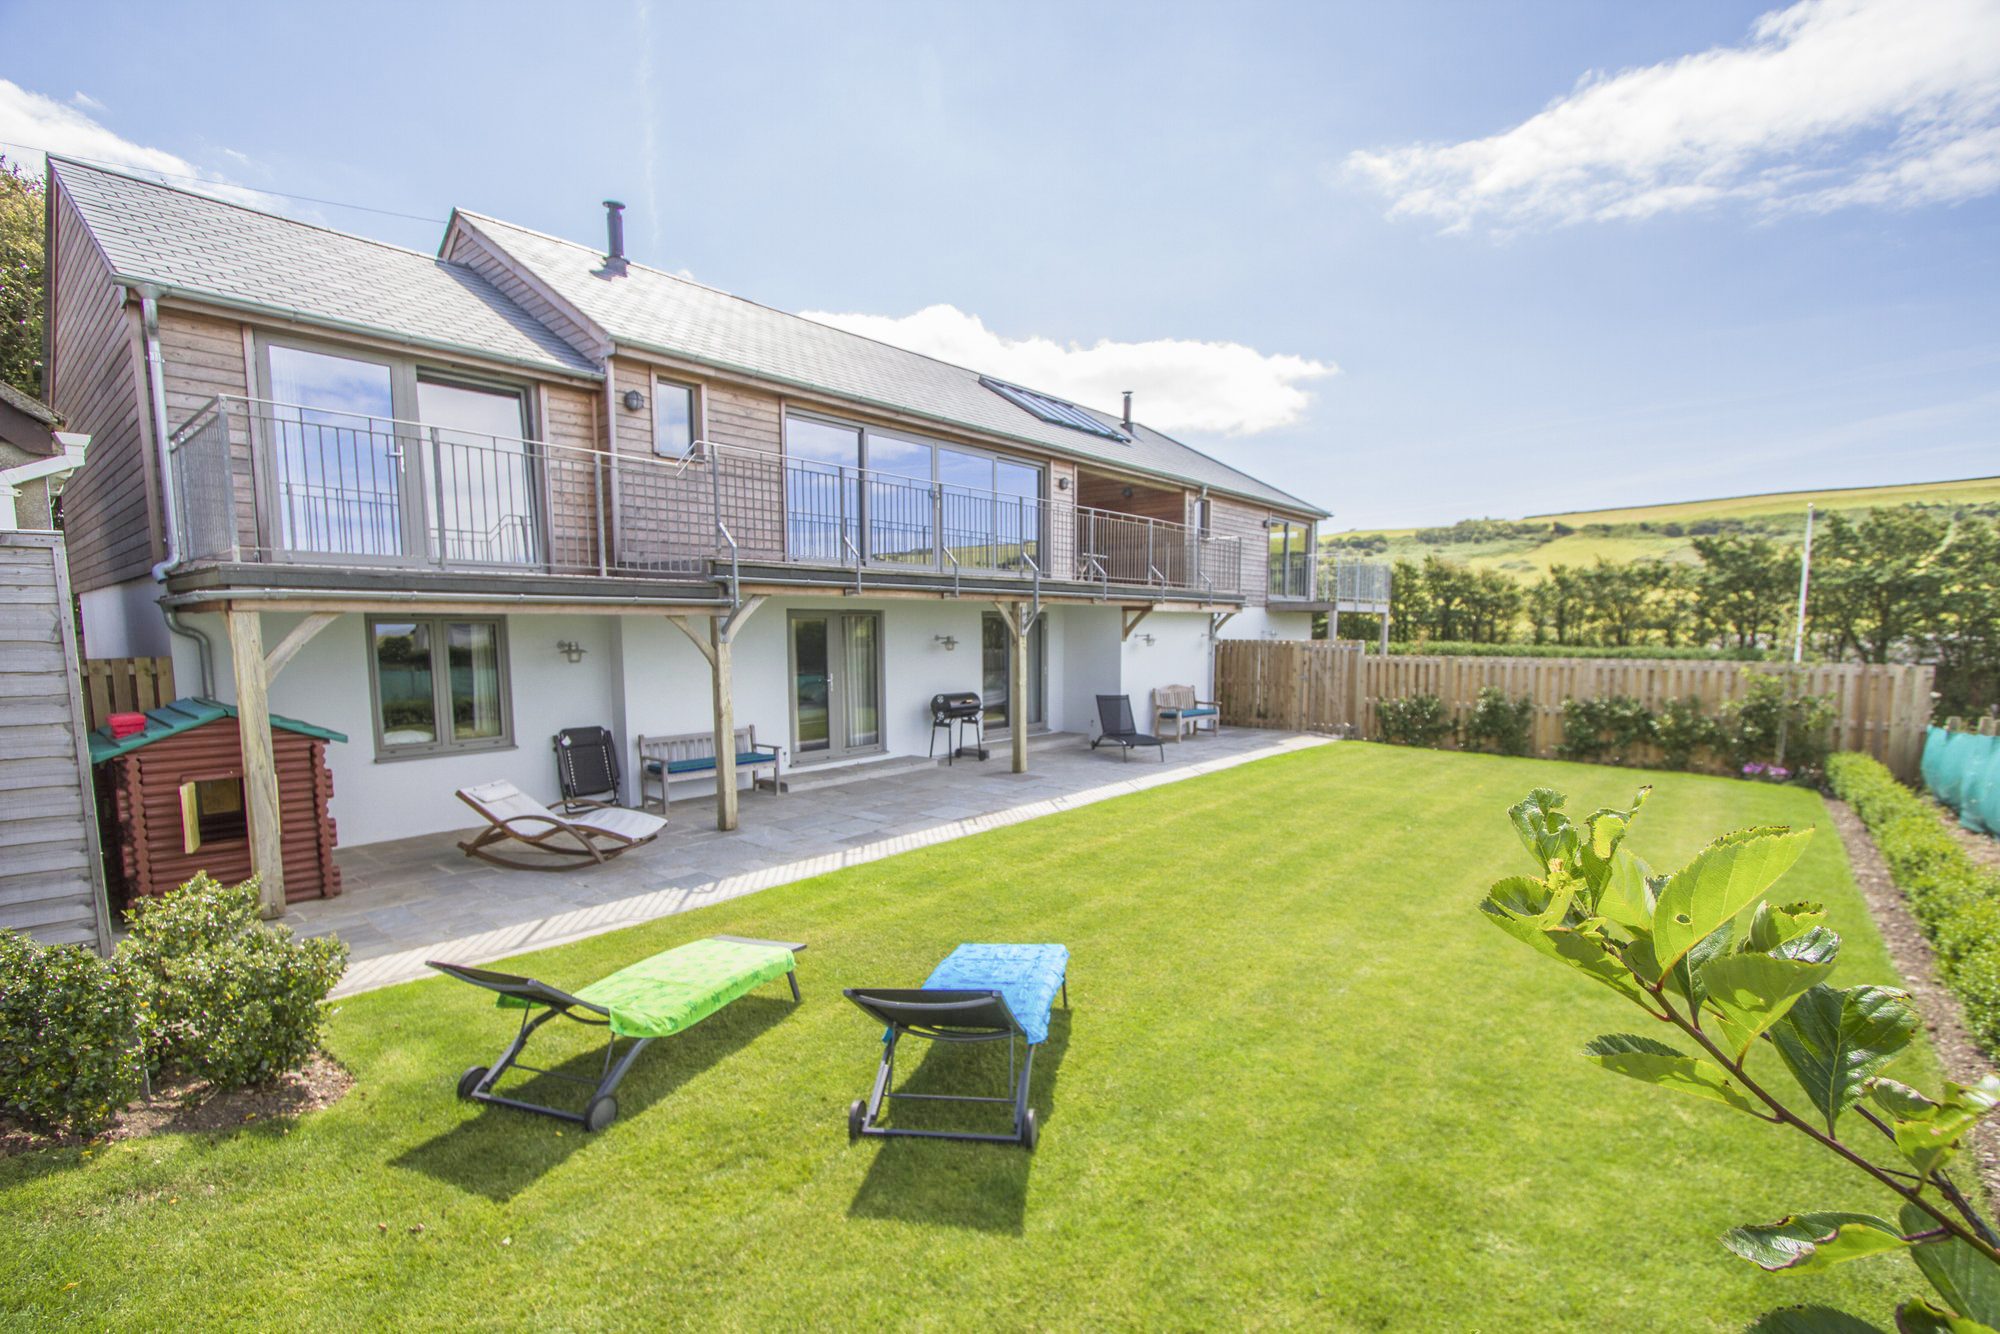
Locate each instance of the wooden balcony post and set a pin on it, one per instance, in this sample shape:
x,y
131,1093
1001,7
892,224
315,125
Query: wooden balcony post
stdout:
x,y
725,725
260,771
1018,622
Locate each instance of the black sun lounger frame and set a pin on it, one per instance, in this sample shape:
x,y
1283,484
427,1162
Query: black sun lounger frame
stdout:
x,y
477,1083
945,1016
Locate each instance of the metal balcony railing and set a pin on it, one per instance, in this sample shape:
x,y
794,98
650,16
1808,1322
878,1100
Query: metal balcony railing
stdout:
x,y
262,481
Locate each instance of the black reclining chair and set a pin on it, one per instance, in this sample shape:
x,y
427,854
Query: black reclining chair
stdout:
x,y
1114,714
586,764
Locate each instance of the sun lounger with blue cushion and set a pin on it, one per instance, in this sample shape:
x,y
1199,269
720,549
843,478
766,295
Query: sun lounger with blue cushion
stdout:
x,y
980,993
654,998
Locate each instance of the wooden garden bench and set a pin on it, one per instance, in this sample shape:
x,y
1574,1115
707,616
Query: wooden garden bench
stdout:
x,y
1177,705
665,758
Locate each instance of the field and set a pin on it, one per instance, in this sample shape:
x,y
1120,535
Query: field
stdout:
x,y
1662,532
1301,1084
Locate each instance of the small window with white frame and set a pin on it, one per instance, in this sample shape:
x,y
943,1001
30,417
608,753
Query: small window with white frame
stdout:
x,y
676,420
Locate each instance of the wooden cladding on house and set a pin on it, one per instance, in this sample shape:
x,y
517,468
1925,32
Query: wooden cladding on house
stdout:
x,y
97,384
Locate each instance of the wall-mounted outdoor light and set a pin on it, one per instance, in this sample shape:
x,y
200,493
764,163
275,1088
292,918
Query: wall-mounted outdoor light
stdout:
x,y
1147,639
1062,483
950,642
570,649
1127,493
634,400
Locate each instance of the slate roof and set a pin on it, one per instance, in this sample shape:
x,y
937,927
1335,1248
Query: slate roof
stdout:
x,y
665,313
184,715
28,405
203,247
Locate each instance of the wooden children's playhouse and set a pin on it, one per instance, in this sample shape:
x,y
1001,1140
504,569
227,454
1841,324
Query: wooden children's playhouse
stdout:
x,y
170,802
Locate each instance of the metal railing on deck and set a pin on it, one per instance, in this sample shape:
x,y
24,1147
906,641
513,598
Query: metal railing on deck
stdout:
x,y
264,481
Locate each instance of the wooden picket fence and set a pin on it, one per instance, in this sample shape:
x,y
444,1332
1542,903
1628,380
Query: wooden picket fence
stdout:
x,y
1315,686
125,685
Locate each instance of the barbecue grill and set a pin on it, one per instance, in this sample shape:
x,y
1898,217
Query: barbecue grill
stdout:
x,y
952,713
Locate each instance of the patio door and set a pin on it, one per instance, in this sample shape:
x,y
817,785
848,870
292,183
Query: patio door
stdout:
x,y
836,684
995,650
340,484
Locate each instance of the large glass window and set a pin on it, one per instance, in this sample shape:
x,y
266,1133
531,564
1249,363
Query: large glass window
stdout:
x,y
485,488
1291,559
673,419
339,474
836,683
440,684
902,500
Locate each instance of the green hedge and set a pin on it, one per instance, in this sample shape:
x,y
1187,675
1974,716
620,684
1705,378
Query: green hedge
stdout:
x,y
69,1053
1450,648
1957,903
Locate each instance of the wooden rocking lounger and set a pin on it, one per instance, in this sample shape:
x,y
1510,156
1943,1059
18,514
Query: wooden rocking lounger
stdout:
x,y
593,830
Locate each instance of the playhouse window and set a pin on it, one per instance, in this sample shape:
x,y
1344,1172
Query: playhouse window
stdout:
x,y
212,812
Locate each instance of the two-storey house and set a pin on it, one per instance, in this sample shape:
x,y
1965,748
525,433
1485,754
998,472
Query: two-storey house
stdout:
x,y
450,504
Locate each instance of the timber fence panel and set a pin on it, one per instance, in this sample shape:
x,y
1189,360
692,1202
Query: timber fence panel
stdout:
x,y
1316,686
125,685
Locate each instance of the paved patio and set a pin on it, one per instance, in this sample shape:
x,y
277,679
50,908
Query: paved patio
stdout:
x,y
421,898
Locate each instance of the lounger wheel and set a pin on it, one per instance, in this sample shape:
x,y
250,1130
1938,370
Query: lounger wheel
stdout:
x,y
857,1116
601,1112
1030,1131
469,1081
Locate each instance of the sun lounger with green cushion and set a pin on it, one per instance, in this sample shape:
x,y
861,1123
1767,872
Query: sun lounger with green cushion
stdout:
x,y
654,998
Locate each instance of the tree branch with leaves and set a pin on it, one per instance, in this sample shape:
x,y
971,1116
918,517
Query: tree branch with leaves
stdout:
x,y
1703,953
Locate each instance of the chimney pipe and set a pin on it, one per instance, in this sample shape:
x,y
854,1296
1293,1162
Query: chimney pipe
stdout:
x,y
614,225
1128,409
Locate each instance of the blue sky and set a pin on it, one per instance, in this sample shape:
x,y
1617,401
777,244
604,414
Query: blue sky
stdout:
x,y
1415,262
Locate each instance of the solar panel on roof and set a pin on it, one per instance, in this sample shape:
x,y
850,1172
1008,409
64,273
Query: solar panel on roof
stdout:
x,y
1051,410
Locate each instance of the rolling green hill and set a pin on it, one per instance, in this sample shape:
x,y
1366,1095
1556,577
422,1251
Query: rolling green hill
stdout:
x,y
1526,548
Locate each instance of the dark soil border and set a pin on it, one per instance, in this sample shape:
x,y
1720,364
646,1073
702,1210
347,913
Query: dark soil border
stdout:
x,y
188,1106
1960,1056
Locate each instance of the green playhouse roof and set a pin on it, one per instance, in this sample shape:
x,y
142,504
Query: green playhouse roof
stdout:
x,y
184,715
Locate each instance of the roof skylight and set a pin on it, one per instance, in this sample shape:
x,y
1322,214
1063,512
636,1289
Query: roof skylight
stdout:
x,y
1052,410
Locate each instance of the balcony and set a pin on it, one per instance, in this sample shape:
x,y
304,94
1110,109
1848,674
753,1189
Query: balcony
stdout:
x,y
1326,584
258,482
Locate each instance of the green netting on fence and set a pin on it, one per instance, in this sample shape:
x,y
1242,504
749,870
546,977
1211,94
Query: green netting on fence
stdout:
x,y
1962,770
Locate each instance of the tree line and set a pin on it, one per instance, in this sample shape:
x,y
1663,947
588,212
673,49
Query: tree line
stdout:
x,y
1903,584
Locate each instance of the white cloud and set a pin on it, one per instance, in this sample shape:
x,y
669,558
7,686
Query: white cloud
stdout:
x,y
32,121
86,101
1827,104
1177,384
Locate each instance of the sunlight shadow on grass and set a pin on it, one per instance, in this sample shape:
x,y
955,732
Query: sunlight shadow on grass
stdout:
x,y
956,1183
498,1152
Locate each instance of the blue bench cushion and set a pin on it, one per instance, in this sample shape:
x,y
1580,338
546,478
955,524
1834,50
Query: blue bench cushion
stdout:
x,y
1189,713
707,762
1027,976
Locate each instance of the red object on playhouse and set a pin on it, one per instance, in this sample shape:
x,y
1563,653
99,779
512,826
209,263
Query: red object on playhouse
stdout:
x,y
170,801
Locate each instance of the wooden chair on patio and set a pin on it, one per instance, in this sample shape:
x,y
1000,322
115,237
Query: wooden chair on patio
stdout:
x,y
1177,705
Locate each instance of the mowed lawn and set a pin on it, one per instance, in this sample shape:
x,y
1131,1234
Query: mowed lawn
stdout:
x,y
1302,1084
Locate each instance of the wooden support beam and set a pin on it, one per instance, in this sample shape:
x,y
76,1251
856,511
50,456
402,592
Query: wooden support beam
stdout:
x,y
1019,620
301,635
260,770
721,637
1131,616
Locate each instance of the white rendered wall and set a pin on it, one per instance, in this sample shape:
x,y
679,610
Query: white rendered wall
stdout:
x,y
1262,623
125,621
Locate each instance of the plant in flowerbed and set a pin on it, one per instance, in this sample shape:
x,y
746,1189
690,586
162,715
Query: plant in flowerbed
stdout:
x,y
201,998
1703,953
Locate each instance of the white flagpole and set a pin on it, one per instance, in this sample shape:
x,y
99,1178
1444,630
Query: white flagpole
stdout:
x,y
1805,578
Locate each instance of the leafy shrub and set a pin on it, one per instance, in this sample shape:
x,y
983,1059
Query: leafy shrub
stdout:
x,y
1681,731
221,994
1502,725
1604,730
1769,710
1956,903
1414,720
67,1058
